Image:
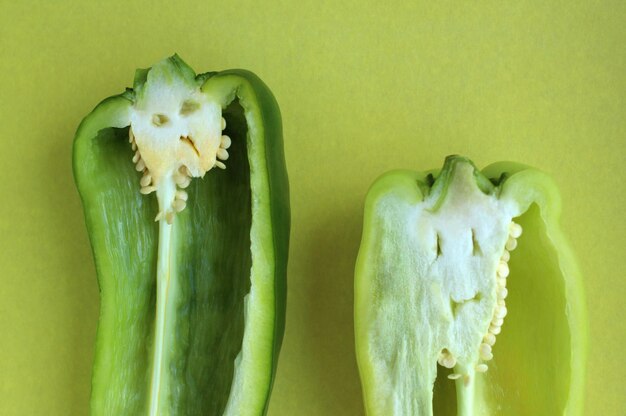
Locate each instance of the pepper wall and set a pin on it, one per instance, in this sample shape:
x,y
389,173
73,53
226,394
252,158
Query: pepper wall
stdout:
x,y
364,87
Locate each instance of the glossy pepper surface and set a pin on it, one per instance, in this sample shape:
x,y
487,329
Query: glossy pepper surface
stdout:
x,y
468,300
191,260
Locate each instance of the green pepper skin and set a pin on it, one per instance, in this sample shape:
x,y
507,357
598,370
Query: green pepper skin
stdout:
x,y
539,359
231,252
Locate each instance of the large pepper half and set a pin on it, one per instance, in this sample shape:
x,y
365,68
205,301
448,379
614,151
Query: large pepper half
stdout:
x,y
440,276
192,282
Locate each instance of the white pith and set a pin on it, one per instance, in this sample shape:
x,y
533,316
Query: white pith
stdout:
x,y
176,133
440,293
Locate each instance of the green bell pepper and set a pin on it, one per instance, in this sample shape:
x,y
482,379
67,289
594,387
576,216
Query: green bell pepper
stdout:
x,y
192,282
437,281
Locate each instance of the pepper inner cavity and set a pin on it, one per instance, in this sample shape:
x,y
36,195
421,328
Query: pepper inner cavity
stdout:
x,y
214,265
176,134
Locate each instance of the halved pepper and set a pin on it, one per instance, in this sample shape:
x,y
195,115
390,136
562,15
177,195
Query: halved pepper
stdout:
x,y
192,272
440,277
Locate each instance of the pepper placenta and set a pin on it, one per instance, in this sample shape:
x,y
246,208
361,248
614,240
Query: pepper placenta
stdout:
x,y
451,261
192,272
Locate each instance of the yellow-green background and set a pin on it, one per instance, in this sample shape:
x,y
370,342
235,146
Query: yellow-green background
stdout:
x,y
364,86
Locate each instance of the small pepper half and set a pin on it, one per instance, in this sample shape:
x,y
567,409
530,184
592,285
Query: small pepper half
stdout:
x,y
192,272
441,276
